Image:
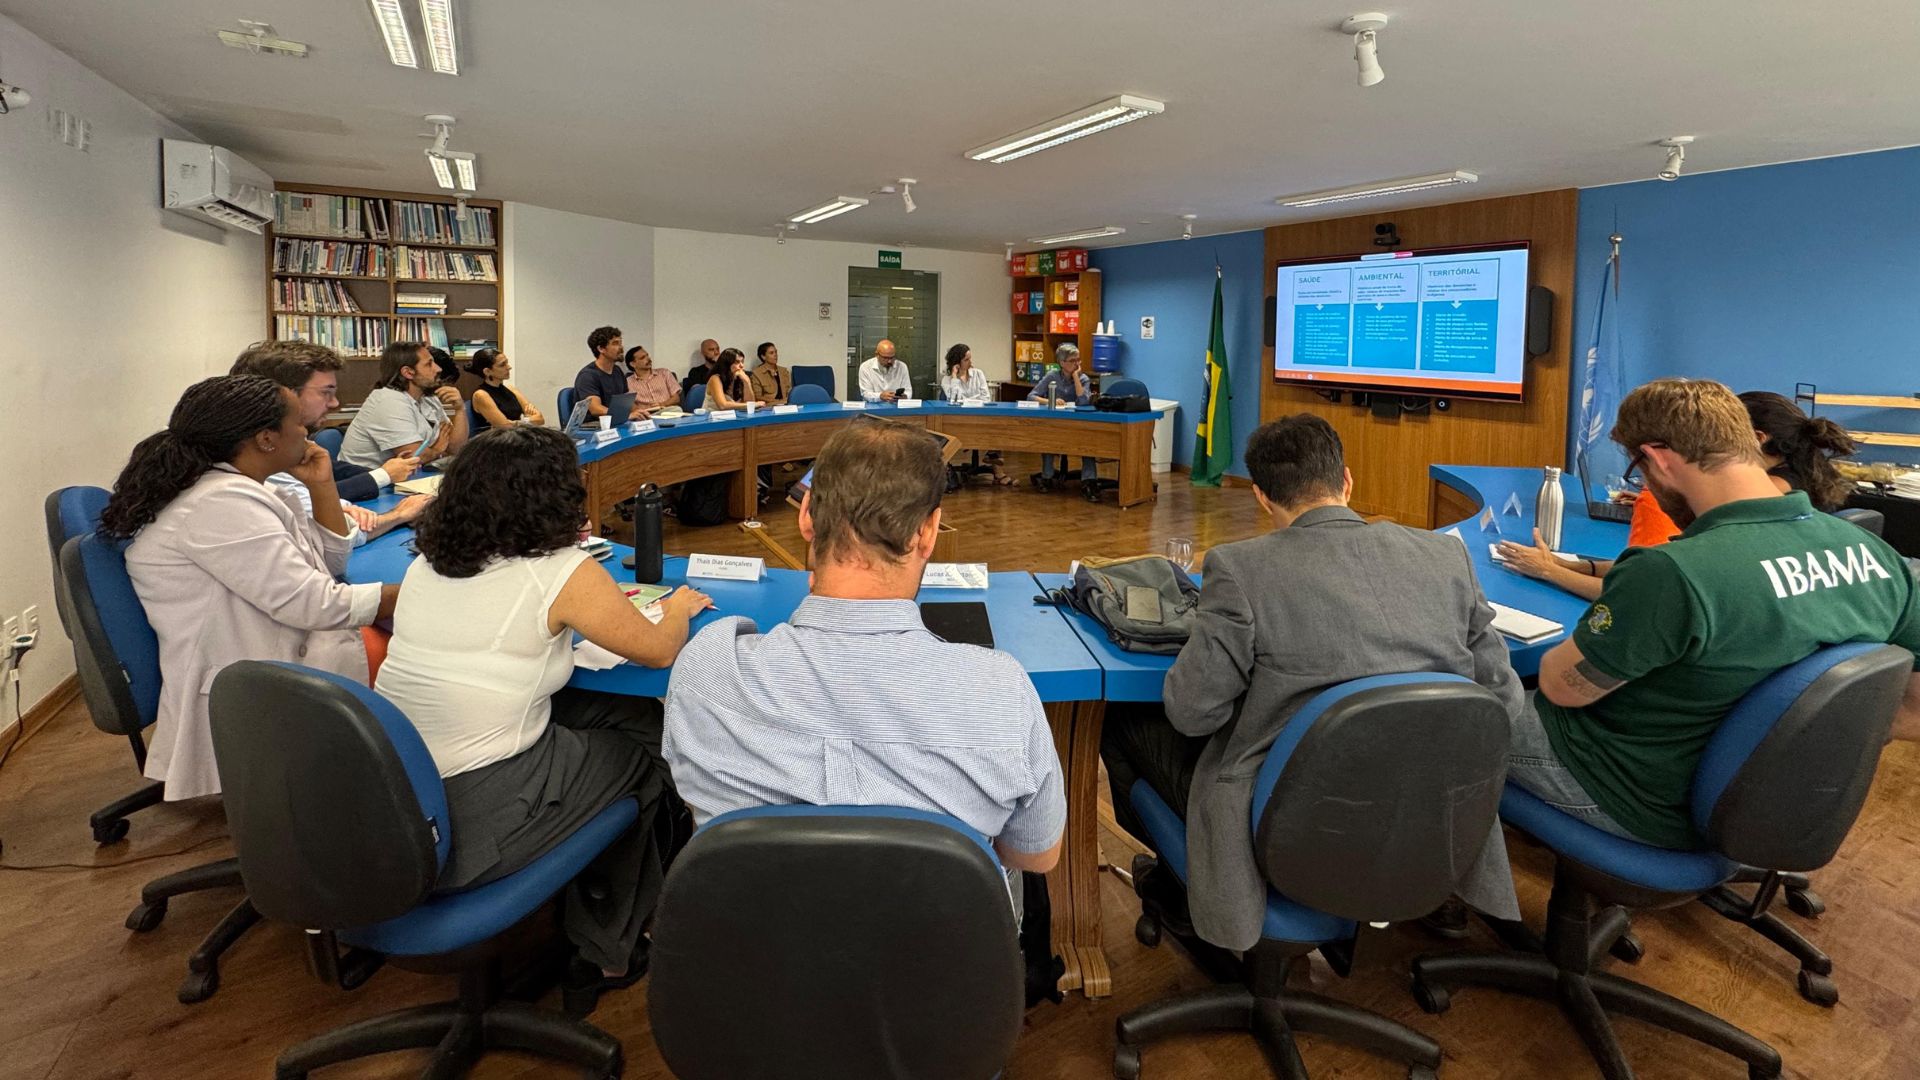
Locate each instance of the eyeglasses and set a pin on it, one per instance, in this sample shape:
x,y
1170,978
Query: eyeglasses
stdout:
x,y
1639,460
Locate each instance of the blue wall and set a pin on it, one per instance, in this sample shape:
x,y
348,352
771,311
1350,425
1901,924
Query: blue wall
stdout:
x,y
1764,277
1173,282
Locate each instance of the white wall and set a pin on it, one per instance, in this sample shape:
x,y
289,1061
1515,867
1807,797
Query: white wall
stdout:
x,y
109,302
742,290
567,274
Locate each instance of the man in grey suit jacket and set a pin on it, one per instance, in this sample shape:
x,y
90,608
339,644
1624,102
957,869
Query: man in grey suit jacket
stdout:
x,y
1324,598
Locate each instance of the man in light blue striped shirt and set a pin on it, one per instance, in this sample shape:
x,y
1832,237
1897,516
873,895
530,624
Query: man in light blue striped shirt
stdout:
x,y
853,701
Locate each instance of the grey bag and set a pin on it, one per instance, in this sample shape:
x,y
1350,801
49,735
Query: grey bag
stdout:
x,y
1146,603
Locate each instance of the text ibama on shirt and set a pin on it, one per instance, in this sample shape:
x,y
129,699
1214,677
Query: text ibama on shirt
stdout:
x,y
1822,570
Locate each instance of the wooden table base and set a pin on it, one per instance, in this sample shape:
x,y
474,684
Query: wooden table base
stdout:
x,y
1073,887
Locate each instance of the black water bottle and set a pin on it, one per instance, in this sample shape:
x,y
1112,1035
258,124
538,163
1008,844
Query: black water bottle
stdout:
x,y
646,559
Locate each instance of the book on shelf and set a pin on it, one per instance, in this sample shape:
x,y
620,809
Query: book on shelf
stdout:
x,y
363,336
346,216
310,295
439,264
337,257
431,331
480,313
438,223
464,348
420,304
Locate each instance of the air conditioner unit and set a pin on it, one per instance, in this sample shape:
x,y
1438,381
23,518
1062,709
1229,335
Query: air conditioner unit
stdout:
x,y
211,182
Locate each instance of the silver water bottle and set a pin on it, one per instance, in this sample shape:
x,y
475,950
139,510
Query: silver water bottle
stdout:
x,y
1548,508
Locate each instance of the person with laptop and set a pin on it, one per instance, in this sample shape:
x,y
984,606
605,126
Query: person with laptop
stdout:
x,y
406,415
603,379
779,717
1797,449
1359,598
1757,580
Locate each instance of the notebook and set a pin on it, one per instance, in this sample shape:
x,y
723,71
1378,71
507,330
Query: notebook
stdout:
x,y
419,484
1522,626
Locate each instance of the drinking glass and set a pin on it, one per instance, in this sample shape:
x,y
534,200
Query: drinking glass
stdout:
x,y
1180,552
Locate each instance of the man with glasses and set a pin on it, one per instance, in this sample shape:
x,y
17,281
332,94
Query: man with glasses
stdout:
x,y
882,378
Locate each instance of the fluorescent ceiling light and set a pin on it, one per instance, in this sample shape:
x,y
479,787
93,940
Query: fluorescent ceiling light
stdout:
x,y
393,27
1378,188
441,174
436,17
1061,129
464,166
838,206
1083,234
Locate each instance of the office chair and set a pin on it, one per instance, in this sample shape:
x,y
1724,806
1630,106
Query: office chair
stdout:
x,y
1116,388
1873,521
566,405
71,512
695,397
118,662
1781,782
878,942
330,440
808,394
341,823
1376,795
819,375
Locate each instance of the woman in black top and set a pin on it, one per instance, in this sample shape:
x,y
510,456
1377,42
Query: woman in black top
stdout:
x,y
495,404
1799,449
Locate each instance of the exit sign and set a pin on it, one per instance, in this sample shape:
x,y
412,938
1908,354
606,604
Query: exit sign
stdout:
x,y
889,260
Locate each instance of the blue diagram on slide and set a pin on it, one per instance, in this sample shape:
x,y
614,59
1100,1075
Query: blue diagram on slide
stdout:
x,y
1459,316
1386,312
1322,311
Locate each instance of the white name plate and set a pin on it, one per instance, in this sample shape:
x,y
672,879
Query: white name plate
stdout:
x,y
722,414
954,576
785,410
973,404
860,404
726,567
641,427
906,403
601,438
1031,404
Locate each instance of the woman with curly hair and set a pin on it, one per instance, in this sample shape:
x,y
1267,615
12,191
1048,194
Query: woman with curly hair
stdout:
x,y
481,654
230,567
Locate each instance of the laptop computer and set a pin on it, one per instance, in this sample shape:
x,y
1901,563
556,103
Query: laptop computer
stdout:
x,y
577,419
1609,495
620,408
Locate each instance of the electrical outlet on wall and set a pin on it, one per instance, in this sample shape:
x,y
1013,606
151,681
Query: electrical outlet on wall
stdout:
x,y
9,630
30,620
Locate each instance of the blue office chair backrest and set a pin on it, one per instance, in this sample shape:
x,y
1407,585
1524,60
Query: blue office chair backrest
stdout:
x,y
1873,521
1380,793
819,375
808,394
878,942
1124,388
114,649
330,439
71,512
566,404
473,419
1786,773
696,397
335,807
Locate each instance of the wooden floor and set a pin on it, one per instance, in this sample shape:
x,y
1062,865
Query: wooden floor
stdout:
x,y
82,997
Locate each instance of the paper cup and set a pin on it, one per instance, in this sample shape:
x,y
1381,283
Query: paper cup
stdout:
x,y
606,423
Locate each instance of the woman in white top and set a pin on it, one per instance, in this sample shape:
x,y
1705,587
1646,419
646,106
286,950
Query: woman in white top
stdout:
x,y
964,382
481,654
230,567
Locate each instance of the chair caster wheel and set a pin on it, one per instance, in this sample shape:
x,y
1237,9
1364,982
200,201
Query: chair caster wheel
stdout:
x,y
1146,931
112,832
1818,989
198,986
1432,997
1627,948
1805,903
1126,1062
1422,1072
146,916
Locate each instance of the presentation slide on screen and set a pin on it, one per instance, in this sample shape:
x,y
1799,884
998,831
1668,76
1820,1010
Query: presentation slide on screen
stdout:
x,y
1447,321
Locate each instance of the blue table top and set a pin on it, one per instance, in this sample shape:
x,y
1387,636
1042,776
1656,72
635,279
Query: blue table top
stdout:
x,y
1579,535
1129,676
692,424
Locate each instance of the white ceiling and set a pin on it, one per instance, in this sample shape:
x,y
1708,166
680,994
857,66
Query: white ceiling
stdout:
x,y
731,115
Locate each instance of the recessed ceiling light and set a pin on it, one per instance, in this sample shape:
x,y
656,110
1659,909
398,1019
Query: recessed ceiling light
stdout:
x,y
834,208
1379,188
1080,123
1083,234
436,19
393,28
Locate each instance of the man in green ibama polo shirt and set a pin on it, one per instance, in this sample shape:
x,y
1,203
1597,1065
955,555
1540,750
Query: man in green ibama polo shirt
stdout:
x,y
1755,582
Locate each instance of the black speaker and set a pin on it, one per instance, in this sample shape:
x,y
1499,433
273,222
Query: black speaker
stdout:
x,y
1273,319
1539,320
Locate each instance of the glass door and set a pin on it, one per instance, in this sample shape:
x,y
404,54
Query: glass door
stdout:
x,y
902,306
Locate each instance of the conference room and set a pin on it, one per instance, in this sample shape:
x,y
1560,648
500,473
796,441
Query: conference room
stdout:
x,y
994,541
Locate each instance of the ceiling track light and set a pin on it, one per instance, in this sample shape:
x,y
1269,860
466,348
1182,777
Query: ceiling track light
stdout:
x,y
1186,228
446,163
906,192
392,22
1101,115
460,208
1083,234
443,53
256,36
1379,189
1676,155
839,205
12,97
1365,29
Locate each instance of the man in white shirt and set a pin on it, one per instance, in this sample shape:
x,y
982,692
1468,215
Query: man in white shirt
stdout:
x,y
397,420
882,378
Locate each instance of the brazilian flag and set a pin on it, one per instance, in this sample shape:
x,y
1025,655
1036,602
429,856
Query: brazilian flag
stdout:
x,y
1213,442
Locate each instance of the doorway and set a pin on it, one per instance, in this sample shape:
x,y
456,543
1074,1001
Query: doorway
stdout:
x,y
902,306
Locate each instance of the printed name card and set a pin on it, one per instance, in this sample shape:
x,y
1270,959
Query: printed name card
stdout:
x,y
1025,404
601,438
641,427
907,403
973,404
1489,523
723,414
1512,506
726,567
954,576
785,410
855,404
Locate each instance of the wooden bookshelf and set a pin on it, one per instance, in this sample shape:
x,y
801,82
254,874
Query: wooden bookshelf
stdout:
x,y
376,294
1032,326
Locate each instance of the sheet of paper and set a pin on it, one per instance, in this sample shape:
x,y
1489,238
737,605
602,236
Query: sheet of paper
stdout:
x,y
1494,550
428,484
594,658
1523,626
954,576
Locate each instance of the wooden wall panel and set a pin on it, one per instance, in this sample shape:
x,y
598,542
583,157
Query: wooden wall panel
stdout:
x,y
1389,458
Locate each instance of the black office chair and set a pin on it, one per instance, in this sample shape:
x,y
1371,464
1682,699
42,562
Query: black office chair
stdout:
x,y
830,942
1122,387
341,823
1376,796
118,662
1781,782
71,512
